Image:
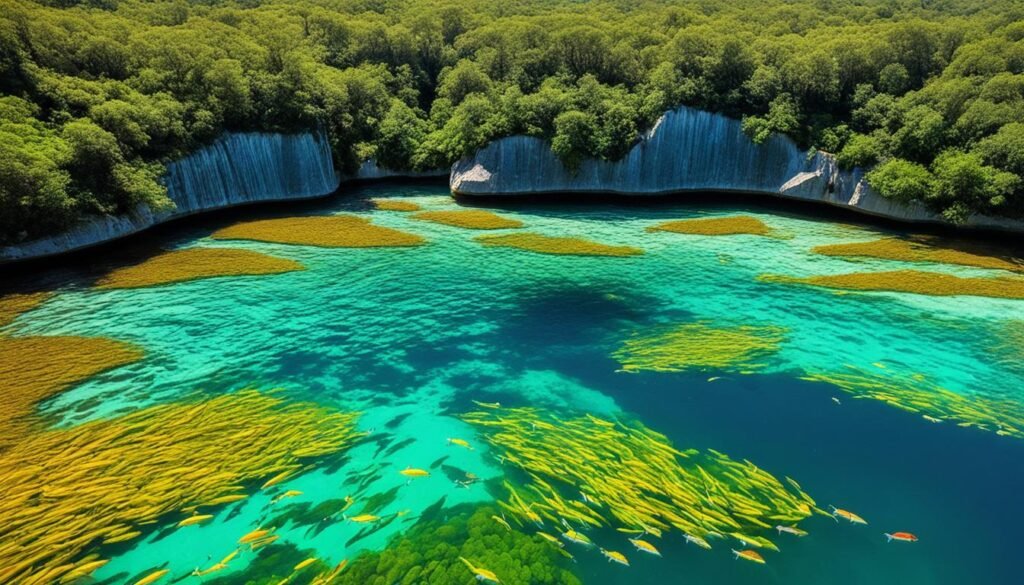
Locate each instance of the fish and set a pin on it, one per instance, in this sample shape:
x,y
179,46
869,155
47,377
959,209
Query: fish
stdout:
x,y
83,570
549,538
487,404
644,546
152,577
501,520
363,518
414,472
749,555
616,557
847,515
573,536
254,535
900,536
278,478
460,443
304,564
791,530
480,573
697,540
228,558
931,419
836,400
287,494
195,519
713,378
258,544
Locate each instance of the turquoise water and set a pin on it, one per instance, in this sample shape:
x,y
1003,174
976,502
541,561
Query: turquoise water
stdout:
x,y
409,336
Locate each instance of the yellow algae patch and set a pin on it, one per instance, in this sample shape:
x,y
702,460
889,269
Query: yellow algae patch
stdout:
x,y
193,264
921,249
64,492
715,226
554,245
915,393
335,231
15,304
395,205
598,472
474,219
912,281
36,368
699,346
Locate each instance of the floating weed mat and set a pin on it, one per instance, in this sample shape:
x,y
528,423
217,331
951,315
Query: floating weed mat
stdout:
x,y
193,264
395,205
553,245
15,304
922,249
915,393
334,231
590,472
474,219
65,493
715,226
36,368
700,346
912,281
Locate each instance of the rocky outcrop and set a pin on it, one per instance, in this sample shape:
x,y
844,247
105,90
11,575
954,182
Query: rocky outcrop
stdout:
x,y
689,150
371,171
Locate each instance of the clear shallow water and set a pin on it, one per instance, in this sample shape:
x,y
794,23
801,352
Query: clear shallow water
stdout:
x,y
410,336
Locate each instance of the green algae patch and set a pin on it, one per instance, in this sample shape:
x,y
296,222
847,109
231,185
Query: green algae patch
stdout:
x,y
194,264
395,205
922,249
67,493
335,231
912,281
915,393
699,346
14,304
715,226
560,246
430,553
34,369
474,219
631,479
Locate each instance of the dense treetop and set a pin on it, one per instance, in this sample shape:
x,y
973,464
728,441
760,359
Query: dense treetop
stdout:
x,y
96,95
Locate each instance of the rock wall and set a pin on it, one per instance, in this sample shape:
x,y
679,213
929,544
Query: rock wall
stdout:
x,y
688,150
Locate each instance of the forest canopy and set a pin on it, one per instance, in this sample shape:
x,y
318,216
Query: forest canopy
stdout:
x,y
96,95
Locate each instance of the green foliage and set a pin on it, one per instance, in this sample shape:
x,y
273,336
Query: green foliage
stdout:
x,y
902,180
575,136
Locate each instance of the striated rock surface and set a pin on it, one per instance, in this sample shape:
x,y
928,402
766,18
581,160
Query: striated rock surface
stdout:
x,y
689,150
371,171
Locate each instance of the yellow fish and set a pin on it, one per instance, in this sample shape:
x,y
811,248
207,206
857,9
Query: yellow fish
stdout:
x,y
481,574
615,557
364,518
287,494
304,564
152,577
503,522
254,535
791,530
549,538
278,479
228,558
847,515
197,519
749,555
414,472
644,546
697,540
573,536
460,443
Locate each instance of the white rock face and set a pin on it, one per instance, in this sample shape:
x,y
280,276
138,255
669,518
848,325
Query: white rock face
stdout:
x,y
371,171
688,150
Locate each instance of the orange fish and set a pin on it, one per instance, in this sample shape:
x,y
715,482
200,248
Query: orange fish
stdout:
x,y
901,536
749,555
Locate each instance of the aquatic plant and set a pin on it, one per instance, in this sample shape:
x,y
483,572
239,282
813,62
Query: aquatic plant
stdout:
x,y
395,205
595,472
715,226
555,245
193,264
334,231
699,346
36,368
429,552
14,304
922,249
65,493
475,219
911,281
914,392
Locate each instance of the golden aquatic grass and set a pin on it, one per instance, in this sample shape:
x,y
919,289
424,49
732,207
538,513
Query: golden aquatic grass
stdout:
x,y
36,368
554,245
699,346
395,205
193,264
65,493
915,393
474,219
15,304
912,281
922,249
335,231
715,226
632,478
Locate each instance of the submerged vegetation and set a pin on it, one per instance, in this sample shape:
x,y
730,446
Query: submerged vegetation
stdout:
x,y
98,95
193,264
67,493
922,249
699,346
335,231
588,472
559,246
475,219
395,205
14,304
715,226
912,281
